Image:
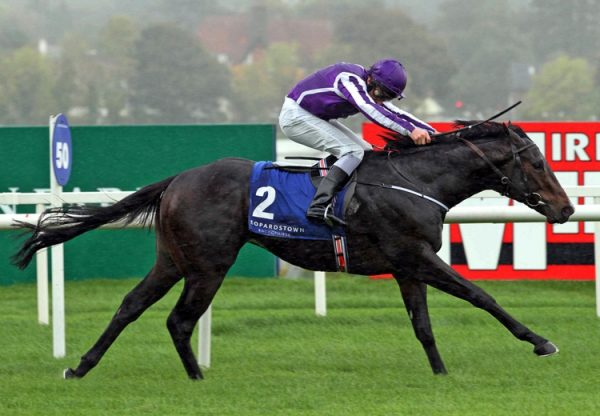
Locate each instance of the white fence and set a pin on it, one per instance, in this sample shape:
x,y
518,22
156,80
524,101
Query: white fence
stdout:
x,y
499,214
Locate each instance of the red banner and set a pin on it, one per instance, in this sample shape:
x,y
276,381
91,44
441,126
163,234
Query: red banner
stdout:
x,y
530,251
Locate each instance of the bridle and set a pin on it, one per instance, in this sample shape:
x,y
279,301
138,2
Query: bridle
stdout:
x,y
532,199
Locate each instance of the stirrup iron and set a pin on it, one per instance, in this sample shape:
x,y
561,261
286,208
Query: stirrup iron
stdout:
x,y
331,219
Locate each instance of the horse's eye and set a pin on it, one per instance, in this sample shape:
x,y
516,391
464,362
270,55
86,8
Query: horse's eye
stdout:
x,y
538,165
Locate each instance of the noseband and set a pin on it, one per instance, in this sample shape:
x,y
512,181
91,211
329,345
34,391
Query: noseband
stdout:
x,y
532,199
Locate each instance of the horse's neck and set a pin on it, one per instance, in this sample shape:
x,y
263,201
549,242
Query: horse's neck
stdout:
x,y
448,174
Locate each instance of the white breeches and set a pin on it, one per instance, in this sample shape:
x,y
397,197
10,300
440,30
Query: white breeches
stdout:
x,y
328,136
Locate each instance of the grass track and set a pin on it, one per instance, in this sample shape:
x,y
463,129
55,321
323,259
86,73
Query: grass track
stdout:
x,y
272,356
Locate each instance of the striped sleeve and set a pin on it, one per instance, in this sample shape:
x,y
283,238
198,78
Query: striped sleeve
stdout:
x,y
409,117
353,88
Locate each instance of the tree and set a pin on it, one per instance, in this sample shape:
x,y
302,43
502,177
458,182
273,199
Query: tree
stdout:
x,y
79,80
12,35
176,80
483,37
392,34
187,13
115,51
64,89
26,85
259,87
569,27
563,90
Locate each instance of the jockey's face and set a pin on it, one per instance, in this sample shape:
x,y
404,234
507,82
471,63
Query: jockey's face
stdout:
x,y
378,92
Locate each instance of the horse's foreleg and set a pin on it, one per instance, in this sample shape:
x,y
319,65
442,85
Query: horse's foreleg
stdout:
x,y
194,301
435,272
414,294
154,286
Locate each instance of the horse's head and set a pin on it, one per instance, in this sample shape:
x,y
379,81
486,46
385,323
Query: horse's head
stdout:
x,y
531,180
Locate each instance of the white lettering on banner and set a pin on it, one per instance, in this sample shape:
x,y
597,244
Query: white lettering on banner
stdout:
x,y
477,236
567,179
556,147
593,179
575,144
444,251
529,239
529,246
570,150
8,209
539,138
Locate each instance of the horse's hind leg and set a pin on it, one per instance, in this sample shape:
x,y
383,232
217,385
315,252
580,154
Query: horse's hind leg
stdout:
x,y
204,226
205,265
433,271
414,294
198,293
153,287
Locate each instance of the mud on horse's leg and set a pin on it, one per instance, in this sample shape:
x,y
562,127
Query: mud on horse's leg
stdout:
x,y
414,294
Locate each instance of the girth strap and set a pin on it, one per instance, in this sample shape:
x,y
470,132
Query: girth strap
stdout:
x,y
341,252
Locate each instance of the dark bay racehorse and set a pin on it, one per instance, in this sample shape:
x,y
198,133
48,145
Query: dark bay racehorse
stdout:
x,y
201,218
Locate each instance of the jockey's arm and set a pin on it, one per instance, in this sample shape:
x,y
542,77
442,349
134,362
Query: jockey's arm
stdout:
x,y
392,118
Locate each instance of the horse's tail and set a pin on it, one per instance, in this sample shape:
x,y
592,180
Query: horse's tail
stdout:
x,y
57,225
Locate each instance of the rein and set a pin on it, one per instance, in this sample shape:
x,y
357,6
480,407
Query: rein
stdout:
x,y
532,199
495,116
420,194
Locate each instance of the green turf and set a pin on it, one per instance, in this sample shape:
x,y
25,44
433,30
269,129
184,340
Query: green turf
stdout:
x,y
273,356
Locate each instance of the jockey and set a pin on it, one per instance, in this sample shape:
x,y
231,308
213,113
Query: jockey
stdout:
x,y
310,110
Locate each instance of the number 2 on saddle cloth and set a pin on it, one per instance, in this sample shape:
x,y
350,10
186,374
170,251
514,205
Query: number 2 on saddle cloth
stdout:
x,y
279,199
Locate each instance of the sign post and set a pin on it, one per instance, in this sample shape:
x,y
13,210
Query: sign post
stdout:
x,y
61,160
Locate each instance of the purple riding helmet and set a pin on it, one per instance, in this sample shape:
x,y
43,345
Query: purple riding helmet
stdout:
x,y
391,74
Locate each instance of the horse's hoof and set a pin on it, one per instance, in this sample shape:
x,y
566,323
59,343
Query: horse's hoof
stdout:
x,y
69,373
197,377
545,349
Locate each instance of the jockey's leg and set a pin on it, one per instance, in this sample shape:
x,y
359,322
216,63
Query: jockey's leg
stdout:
x,y
328,136
321,208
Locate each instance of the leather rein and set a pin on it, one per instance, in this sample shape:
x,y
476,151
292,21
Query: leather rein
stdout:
x,y
532,199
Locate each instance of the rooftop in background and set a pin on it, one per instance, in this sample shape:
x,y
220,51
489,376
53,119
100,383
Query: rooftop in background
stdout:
x,y
237,38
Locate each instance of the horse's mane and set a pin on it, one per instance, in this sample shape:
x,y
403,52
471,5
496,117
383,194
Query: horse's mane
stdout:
x,y
490,129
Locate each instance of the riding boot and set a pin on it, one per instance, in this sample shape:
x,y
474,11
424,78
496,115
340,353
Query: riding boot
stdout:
x,y
321,208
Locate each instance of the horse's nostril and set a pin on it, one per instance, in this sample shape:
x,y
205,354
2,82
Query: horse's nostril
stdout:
x,y
568,211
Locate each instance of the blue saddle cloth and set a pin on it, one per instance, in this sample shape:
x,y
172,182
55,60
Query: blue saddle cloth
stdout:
x,y
278,203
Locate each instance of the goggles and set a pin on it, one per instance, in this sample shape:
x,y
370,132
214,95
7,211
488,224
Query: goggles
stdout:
x,y
382,93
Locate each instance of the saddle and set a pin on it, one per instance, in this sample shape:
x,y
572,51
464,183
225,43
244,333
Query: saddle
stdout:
x,y
280,195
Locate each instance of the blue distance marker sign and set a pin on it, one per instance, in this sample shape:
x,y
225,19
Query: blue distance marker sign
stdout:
x,y
62,155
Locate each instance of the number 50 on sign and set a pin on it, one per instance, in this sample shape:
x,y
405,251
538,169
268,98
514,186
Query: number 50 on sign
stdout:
x,y
62,158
